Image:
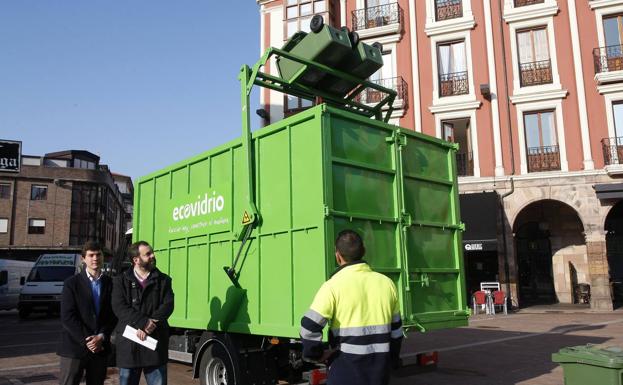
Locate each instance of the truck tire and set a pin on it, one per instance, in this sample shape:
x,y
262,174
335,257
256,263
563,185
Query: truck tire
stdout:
x,y
217,367
23,313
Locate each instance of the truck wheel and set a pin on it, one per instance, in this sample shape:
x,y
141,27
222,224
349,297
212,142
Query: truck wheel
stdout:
x,y
216,367
24,313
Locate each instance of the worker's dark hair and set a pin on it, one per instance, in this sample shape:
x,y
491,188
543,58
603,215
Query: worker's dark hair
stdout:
x,y
133,250
91,246
350,245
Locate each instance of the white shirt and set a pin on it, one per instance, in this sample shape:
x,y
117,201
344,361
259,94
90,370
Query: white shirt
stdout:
x,y
92,278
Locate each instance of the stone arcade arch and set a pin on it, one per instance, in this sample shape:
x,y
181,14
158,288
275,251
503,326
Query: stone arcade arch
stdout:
x,y
551,254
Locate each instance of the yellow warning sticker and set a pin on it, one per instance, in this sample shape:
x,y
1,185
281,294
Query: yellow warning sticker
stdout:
x,y
246,218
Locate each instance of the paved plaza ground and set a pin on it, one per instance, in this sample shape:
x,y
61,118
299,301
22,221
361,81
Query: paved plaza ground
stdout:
x,y
500,349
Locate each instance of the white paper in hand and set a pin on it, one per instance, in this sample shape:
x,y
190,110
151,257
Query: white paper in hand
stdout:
x,y
130,333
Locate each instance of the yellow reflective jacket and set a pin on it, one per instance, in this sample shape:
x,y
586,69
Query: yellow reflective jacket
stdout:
x,y
363,313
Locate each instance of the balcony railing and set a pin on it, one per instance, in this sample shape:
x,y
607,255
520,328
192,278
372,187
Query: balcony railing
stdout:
x,y
523,3
546,158
448,9
453,84
608,59
373,96
613,150
376,16
535,73
464,164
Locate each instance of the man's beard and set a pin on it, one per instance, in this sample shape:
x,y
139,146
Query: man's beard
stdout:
x,y
149,265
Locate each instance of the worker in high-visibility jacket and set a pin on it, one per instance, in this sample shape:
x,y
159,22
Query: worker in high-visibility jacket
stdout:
x,y
363,313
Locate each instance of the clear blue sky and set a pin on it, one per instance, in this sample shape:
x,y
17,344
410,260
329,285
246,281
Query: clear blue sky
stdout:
x,y
141,83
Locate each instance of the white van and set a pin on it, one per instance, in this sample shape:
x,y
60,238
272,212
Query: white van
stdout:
x,y
12,277
44,284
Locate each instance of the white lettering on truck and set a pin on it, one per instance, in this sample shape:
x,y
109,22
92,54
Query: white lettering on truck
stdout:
x,y
203,206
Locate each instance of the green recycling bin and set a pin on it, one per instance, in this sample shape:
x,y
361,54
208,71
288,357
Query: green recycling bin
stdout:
x,y
325,45
591,364
363,61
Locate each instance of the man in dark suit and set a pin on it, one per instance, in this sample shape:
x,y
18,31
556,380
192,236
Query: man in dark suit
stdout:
x,y
87,320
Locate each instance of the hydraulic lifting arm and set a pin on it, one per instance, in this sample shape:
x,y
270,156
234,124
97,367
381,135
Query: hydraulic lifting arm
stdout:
x,y
247,215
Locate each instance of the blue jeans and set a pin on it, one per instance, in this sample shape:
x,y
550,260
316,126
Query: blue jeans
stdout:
x,y
154,375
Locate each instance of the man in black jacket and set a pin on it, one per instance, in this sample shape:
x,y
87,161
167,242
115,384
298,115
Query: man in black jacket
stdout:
x,y
87,320
143,299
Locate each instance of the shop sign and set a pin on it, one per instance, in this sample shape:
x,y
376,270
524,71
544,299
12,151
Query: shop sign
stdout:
x,y
10,155
473,246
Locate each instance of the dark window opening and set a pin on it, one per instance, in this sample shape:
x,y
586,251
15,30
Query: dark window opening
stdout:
x,y
38,192
5,191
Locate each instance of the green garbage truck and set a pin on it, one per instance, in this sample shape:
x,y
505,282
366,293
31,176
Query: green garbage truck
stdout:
x,y
246,230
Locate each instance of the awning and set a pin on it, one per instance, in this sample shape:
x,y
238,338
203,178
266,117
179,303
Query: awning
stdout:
x,y
479,212
609,191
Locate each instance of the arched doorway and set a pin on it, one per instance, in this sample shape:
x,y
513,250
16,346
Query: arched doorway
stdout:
x,y
534,262
550,254
614,247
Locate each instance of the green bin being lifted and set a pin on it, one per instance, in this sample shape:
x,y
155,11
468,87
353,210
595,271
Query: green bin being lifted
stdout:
x,y
591,364
363,61
325,45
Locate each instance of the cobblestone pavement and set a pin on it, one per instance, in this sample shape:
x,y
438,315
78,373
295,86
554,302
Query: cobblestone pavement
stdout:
x,y
512,349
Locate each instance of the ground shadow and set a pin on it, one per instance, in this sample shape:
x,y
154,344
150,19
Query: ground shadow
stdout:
x,y
37,334
479,356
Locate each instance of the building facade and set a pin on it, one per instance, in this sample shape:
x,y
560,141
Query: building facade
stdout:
x,y
532,91
126,189
57,202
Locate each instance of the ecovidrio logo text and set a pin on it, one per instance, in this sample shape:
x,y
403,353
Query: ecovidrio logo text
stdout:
x,y
202,206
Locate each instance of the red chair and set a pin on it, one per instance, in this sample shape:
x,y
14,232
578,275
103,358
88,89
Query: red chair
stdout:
x,y
499,299
479,298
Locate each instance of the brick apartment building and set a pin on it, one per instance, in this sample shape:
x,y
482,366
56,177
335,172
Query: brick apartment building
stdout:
x,y
532,91
56,202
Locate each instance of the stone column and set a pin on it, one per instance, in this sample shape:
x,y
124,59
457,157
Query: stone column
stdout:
x,y
601,298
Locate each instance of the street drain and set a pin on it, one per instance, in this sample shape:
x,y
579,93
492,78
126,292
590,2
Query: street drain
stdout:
x,y
38,378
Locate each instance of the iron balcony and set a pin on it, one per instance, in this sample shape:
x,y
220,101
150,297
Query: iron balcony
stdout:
x,y
378,16
464,164
523,3
448,9
608,59
544,158
455,83
398,84
613,150
535,73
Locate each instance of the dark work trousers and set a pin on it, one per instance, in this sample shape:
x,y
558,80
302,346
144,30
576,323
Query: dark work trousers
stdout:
x,y
72,370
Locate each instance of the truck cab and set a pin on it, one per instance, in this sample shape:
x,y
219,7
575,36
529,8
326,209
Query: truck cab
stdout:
x,y
44,285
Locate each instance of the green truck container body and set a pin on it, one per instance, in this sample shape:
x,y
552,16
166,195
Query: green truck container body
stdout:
x,y
315,173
